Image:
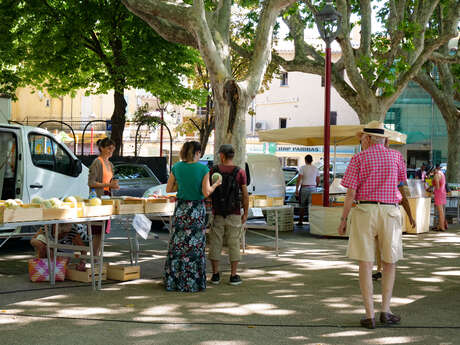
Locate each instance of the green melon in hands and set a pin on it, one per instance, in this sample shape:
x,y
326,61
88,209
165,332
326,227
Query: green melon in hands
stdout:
x,y
216,176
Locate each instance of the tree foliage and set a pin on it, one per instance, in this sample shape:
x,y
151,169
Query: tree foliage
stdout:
x,y
440,77
387,57
206,25
95,45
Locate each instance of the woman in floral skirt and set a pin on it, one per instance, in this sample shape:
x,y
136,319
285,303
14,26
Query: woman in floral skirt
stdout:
x,y
185,267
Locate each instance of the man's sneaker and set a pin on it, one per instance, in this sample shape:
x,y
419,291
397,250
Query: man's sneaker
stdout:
x,y
215,279
235,280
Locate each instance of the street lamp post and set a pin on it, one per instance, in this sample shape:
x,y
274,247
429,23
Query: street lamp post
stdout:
x,y
161,131
328,21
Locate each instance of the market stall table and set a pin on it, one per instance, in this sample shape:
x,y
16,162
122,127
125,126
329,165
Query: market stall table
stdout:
x,y
55,245
266,226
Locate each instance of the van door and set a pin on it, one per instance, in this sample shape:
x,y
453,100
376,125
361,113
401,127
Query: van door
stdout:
x,y
10,174
52,169
267,177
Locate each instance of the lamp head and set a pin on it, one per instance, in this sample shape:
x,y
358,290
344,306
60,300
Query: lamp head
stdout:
x,y
328,21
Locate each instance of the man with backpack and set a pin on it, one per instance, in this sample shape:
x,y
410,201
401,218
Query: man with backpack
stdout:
x,y
227,201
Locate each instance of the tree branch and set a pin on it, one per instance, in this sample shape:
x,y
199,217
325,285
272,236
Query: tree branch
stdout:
x,y
179,14
366,27
167,29
415,67
449,59
263,43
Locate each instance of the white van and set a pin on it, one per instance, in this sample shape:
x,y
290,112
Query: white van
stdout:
x,y
33,163
263,171
265,175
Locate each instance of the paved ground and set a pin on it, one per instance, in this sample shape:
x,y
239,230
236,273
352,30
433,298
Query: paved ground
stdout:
x,y
307,295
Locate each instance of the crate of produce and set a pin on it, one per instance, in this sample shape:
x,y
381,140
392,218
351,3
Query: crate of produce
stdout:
x,y
285,218
123,273
85,276
104,209
23,213
158,205
128,206
66,211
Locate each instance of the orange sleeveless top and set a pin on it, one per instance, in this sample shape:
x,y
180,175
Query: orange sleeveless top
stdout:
x,y
107,174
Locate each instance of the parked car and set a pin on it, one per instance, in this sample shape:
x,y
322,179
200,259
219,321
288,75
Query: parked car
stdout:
x,y
289,173
134,179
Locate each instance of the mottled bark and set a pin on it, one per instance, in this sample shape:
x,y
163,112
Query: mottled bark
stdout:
x,y
361,85
210,31
453,150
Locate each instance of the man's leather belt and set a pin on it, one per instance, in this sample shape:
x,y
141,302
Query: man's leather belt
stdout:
x,y
375,203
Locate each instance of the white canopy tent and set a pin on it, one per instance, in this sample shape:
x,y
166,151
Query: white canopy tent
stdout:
x,y
342,135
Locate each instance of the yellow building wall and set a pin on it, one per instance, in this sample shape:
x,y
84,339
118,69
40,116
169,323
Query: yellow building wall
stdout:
x,y
33,107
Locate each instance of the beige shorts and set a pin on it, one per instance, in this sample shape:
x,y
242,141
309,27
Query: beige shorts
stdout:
x,y
228,228
372,225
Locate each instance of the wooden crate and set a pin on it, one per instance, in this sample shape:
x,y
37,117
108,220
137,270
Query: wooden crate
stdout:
x,y
105,209
159,205
257,196
85,276
277,201
263,202
24,213
128,206
123,273
59,213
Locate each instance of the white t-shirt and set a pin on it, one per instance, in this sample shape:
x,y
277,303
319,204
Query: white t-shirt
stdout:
x,y
309,174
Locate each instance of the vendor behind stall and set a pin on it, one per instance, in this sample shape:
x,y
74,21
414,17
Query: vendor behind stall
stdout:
x,y
100,179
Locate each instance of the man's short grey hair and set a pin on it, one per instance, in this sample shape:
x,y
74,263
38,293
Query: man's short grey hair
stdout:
x,y
377,140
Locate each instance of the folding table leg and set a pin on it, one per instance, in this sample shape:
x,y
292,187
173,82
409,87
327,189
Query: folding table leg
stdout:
x,y
91,253
48,251
101,255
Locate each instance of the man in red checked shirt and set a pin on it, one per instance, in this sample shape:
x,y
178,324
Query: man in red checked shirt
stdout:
x,y
372,179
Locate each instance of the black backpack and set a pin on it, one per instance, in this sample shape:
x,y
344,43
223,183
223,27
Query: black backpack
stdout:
x,y
226,198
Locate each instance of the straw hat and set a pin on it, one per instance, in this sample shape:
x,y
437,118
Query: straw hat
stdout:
x,y
374,128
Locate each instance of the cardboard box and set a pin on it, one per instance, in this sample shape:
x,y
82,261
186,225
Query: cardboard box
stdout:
x,y
325,221
123,273
25,213
128,206
85,276
420,209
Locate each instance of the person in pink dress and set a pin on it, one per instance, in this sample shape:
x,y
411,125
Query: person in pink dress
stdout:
x,y
439,185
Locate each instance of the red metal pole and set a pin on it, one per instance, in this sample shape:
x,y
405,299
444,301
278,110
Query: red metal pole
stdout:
x,y
327,128
161,134
92,133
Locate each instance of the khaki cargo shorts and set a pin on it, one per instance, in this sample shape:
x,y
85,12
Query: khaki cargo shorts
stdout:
x,y
372,225
228,229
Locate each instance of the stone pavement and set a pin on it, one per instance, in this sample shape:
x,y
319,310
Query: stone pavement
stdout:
x,y
309,294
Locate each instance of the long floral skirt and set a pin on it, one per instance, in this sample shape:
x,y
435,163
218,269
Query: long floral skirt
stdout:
x,y
185,267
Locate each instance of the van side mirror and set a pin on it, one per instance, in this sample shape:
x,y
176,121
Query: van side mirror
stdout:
x,y
76,167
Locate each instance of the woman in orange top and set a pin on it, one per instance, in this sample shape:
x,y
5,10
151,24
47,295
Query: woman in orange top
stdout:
x,y
101,170
100,179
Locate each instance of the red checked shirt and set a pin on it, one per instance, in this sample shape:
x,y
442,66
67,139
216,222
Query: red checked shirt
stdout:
x,y
375,174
